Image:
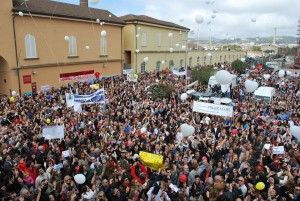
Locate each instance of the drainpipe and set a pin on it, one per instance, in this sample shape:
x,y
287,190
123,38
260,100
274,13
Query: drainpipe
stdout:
x,y
122,51
136,47
16,53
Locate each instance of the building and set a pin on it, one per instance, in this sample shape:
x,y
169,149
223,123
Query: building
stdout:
x,y
47,44
151,44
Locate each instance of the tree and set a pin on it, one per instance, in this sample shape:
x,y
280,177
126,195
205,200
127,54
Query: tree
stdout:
x,y
202,74
256,48
238,66
160,90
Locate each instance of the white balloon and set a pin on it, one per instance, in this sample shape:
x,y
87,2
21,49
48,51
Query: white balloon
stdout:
x,y
14,93
163,62
183,47
183,96
199,19
209,22
243,59
79,178
267,76
109,15
224,87
87,47
171,49
103,33
223,77
207,2
289,73
98,20
251,86
170,34
281,73
212,2
143,130
21,13
137,50
177,45
94,2
66,37
187,130
295,131
209,54
253,20
146,59
213,16
137,35
215,11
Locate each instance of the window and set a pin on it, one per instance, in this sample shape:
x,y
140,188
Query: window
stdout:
x,y
30,46
103,46
229,57
144,39
171,64
158,66
190,61
221,58
159,40
72,46
143,67
204,58
224,57
210,59
198,60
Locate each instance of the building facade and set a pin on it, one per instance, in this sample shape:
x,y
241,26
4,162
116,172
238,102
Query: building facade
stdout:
x,y
47,43
151,44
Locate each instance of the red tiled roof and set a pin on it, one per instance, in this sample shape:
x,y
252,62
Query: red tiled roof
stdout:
x,y
144,18
49,8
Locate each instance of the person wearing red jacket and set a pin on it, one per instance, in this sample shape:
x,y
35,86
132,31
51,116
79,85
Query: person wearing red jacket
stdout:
x,y
143,176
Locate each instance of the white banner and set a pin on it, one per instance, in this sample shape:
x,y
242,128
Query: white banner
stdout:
x,y
77,107
175,72
278,150
53,132
45,88
196,83
210,108
128,71
96,97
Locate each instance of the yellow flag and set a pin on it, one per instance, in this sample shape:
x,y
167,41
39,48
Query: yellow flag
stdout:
x,y
153,161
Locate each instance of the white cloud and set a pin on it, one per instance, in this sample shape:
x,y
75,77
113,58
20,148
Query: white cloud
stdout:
x,y
233,17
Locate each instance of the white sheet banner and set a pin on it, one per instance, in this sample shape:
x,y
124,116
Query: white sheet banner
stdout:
x,y
278,150
53,132
96,97
214,109
175,72
77,107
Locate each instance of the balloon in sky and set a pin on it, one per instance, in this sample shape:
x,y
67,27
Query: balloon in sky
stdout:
x,y
253,20
199,19
94,2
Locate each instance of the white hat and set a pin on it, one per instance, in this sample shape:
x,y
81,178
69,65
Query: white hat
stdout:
x,y
135,156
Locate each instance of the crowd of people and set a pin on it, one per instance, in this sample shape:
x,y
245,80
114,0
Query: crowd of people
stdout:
x,y
224,160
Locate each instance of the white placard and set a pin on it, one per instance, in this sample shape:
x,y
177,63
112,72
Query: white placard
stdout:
x,y
53,132
45,88
214,109
58,166
278,150
267,146
175,72
66,153
128,71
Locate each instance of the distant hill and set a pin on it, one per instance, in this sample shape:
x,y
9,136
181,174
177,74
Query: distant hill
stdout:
x,y
257,40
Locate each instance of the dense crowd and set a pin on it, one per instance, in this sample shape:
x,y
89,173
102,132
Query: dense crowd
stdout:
x,y
225,159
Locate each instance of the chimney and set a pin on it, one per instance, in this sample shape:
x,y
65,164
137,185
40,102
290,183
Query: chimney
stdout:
x,y
84,3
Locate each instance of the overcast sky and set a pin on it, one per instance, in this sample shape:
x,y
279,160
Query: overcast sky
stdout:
x,y
234,18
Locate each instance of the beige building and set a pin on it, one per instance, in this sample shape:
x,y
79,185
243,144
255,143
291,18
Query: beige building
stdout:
x,y
45,43
152,44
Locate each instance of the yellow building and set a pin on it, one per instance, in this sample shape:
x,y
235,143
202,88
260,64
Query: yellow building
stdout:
x,y
151,44
45,43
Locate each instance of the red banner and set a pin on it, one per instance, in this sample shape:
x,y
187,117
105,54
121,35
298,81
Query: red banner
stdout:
x,y
26,79
89,74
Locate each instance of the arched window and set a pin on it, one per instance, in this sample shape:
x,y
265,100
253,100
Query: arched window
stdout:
x,y
158,66
190,61
72,46
143,67
103,44
30,46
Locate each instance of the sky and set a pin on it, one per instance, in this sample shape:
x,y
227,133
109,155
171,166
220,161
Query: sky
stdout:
x,y
233,18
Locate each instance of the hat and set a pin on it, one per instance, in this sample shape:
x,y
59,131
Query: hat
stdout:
x,y
124,151
135,156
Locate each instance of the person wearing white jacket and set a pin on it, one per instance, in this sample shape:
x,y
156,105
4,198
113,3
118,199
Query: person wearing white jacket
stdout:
x,y
89,194
160,196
